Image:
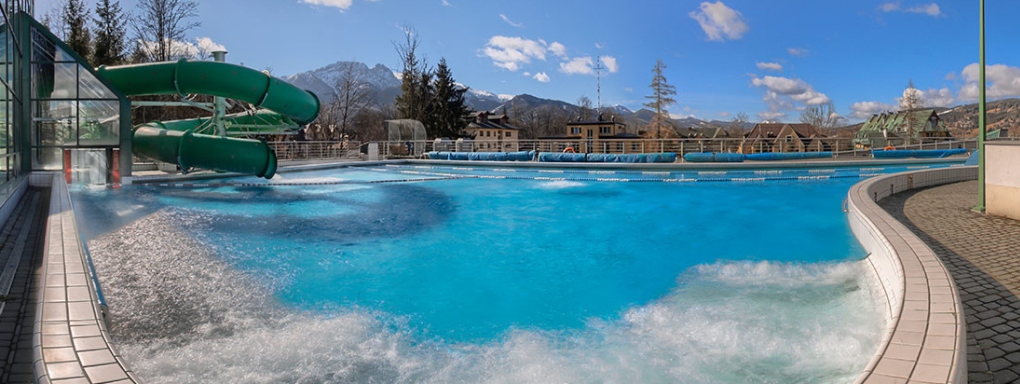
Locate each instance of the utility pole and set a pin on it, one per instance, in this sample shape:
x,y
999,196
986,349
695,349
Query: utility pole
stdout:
x,y
982,111
598,86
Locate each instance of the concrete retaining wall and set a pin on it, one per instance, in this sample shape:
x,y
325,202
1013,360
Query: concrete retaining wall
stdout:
x,y
1002,179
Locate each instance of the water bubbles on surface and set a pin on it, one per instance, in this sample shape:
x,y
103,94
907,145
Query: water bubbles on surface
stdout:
x,y
560,184
187,311
181,315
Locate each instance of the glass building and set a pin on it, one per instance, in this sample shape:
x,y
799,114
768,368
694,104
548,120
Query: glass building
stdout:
x,y
54,107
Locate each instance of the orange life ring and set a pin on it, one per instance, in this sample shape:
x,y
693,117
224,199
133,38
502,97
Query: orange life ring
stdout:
x,y
889,148
569,150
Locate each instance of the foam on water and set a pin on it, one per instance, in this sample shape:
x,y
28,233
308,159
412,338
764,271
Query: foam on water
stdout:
x,y
305,180
567,282
560,184
180,315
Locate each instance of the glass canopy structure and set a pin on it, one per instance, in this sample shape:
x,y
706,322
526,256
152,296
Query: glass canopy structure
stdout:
x,y
53,101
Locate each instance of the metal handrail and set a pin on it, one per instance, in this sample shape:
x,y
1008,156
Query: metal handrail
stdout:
x,y
841,147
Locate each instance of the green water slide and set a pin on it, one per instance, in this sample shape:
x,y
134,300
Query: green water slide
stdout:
x,y
177,142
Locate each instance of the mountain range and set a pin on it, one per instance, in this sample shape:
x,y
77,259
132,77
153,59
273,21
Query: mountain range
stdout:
x,y
384,84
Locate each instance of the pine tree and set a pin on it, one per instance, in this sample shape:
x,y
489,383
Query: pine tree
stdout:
x,y
450,107
76,20
110,31
661,98
409,102
425,94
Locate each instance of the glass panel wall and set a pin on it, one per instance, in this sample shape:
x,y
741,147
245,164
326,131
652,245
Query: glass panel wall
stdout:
x,y
10,147
71,108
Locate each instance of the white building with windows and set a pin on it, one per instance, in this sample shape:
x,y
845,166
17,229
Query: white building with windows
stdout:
x,y
492,133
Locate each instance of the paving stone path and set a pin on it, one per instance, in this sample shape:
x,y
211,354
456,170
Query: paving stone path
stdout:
x,y
983,255
21,243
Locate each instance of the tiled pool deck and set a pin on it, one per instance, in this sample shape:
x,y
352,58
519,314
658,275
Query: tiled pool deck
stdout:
x,y
923,227
70,341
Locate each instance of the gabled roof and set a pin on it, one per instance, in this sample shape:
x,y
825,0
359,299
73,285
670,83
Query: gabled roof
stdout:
x,y
490,125
486,120
921,120
708,133
772,130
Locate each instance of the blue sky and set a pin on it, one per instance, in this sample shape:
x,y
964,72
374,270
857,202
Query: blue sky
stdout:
x,y
768,59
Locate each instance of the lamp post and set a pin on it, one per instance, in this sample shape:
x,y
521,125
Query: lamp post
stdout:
x,y
982,129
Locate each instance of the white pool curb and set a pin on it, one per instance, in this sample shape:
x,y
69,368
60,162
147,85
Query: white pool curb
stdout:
x,y
926,337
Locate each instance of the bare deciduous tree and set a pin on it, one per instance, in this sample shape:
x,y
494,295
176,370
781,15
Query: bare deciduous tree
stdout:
x,y
912,99
351,95
160,28
413,100
584,108
822,116
54,20
738,124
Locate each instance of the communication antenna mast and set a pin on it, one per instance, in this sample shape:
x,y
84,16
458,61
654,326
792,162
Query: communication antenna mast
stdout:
x,y
598,85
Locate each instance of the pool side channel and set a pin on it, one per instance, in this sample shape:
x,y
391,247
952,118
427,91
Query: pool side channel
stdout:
x,y
926,337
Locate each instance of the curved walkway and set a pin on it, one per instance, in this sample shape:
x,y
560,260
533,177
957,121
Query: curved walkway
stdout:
x,y
983,255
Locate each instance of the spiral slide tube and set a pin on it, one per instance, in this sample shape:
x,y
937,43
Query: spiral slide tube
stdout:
x,y
173,141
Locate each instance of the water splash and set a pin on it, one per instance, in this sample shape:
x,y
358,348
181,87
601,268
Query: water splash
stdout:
x,y
180,315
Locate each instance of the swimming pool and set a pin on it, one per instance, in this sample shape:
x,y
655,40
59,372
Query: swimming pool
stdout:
x,y
413,273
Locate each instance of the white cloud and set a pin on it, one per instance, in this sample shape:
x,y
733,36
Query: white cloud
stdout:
x,y
916,93
796,89
201,48
927,9
931,98
610,63
541,77
512,52
799,52
938,98
558,49
718,20
930,9
511,22
206,44
1003,81
446,3
771,115
784,94
770,66
341,4
586,65
600,45
578,66
865,109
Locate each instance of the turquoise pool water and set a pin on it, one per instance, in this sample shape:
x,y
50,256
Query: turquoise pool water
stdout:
x,y
565,275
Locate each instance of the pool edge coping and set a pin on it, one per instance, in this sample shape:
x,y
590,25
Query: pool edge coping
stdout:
x,y
925,339
70,338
